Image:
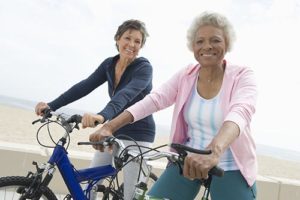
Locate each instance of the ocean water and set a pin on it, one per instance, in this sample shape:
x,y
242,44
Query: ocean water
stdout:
x,y
262,149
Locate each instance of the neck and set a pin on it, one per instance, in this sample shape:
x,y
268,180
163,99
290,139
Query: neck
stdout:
x,y
211,73
123,62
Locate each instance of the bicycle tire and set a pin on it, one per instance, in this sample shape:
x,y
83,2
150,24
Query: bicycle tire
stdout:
x,y
9,186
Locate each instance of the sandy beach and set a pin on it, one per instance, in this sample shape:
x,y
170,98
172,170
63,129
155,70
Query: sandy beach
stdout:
x,y
16,127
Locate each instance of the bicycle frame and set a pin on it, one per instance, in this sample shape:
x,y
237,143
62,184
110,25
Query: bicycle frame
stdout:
x,y
71,177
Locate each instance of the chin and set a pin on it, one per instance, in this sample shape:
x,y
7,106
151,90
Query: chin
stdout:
x,y
131,56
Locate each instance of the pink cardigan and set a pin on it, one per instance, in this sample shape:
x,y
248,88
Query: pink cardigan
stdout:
x,y
239,99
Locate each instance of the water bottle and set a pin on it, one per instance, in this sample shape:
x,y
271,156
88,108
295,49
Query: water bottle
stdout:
x,y
140,191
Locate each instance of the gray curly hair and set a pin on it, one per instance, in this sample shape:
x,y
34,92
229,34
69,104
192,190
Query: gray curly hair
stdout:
x,y
215,19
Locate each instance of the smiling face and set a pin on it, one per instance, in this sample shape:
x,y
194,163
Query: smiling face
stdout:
x,y
209,46
129,44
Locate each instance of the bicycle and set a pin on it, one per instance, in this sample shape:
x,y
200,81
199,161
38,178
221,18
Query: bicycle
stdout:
x,y
35,184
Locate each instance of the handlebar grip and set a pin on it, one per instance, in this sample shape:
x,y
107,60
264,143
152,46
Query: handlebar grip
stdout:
x,y
96,123
84,143
78,118
91,143
105,142
217,171
75,119
46,112
180,147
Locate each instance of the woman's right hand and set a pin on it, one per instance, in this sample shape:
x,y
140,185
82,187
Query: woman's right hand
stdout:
x,y
40,107
99,135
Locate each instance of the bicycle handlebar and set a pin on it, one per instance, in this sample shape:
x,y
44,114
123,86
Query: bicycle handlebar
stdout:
x,y
120,147
171,156
182,149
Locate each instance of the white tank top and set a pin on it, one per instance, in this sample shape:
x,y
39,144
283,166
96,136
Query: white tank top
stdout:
x,y
204,118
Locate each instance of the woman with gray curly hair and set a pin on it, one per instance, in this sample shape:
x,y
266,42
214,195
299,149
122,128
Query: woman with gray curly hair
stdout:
x,y
214,102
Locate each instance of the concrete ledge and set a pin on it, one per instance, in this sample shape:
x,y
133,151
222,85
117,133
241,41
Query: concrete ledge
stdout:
x,y
288,188
17,161
268,188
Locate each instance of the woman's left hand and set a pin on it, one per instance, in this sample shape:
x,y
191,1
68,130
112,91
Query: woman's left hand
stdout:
x,y
91,120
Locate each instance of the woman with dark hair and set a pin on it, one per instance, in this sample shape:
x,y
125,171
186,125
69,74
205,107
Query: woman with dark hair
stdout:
x,y
129,80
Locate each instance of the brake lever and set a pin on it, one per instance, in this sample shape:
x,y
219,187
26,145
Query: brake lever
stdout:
x,y
35,121
75,119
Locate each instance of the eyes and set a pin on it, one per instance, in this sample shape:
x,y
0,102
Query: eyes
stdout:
x,y
136,41
132,37
212,41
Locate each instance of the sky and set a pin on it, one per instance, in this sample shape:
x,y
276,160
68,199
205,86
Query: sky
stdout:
x,y
46,46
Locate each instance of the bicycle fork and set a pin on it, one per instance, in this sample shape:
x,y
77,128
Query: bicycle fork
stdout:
x,y
33,191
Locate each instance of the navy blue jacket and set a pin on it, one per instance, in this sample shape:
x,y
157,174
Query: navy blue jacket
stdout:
x,y
134,85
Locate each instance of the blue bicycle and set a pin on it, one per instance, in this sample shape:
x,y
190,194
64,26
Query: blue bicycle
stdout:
x,y
35,185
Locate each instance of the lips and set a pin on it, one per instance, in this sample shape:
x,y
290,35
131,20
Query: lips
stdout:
x,y
129,50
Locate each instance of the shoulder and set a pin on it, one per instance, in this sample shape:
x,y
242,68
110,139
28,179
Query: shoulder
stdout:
x,y
189,70
110,60
239,75
185,74
107,63
141,65
233,70
142,62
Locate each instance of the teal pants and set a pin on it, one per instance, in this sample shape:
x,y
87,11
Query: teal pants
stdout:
x,y
172,185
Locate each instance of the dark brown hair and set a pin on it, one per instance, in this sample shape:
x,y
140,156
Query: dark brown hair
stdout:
x,y
132,24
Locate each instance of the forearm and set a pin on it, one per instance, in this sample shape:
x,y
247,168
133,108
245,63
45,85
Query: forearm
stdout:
x,y
227,134
121,120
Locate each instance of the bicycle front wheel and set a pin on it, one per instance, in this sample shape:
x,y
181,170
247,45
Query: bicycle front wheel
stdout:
x,y
14,187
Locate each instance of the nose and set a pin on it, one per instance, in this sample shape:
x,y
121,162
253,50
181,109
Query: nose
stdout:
x,y
207,46
131,43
